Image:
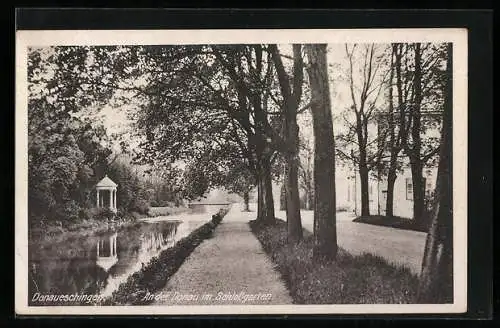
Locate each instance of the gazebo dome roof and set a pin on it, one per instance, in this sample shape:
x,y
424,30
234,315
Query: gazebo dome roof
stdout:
x,y
106,182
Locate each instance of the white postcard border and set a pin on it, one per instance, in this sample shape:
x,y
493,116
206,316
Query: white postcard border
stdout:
x,y
25,39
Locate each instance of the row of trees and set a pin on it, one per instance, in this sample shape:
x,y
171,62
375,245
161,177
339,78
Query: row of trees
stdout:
x,y
397,99
418,84
227,116
231,113
227,113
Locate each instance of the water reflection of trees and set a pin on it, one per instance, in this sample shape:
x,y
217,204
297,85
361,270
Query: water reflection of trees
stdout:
x,y
149,238
157,239
70,266
73,276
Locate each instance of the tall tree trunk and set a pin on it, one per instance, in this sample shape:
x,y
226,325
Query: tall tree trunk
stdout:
x,y
436,278
310,199
365,196
393,147
362,167
267,192
303,202
260,198
391,180
291,98
294,221
415,160
266,210
418,193
246,199
325,233
283,198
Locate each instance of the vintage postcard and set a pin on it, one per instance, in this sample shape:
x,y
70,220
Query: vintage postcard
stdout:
x,y
163,172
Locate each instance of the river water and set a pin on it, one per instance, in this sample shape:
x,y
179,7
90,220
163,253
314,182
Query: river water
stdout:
x,y
99,263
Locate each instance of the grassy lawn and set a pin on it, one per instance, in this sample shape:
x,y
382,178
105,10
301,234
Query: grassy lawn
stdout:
x,y
393,222
154,276
365,279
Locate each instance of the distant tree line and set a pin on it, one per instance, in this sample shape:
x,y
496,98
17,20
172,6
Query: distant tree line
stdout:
x,y
68,154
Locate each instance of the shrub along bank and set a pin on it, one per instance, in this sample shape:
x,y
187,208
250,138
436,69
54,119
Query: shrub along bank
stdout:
x,y
52,233
99,220
364,279
155,275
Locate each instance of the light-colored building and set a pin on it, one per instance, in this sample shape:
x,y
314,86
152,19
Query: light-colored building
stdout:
x,y
403,187
377,192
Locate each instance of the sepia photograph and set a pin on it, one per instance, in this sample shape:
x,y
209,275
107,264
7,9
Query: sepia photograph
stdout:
x,y
241,171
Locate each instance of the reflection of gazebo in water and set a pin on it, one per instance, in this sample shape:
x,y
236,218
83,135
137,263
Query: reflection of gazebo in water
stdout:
x,y
103,187
106,252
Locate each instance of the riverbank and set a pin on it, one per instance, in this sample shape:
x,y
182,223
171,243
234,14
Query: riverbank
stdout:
x,y
155,274
167,210
361,279
54,231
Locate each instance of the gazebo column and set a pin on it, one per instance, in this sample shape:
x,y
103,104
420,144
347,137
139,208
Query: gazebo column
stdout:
x,y
97,197
111,246
110,198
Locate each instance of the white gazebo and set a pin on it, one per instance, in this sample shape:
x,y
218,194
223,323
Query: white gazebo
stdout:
x,y
106,186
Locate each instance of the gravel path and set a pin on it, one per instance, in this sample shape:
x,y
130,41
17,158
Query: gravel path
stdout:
x,y
400,247
230,268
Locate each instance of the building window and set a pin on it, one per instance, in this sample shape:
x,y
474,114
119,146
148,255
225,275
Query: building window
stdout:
x,y
409,189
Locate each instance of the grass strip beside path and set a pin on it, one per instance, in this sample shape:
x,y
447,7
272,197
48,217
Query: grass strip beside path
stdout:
x,y
154,276
393,222
364,279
